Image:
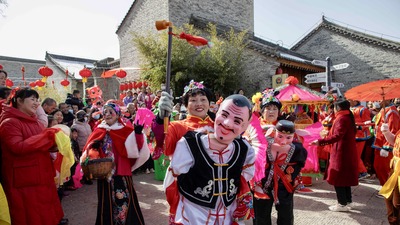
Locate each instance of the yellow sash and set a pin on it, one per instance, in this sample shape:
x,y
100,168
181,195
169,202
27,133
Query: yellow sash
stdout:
x,y
388,187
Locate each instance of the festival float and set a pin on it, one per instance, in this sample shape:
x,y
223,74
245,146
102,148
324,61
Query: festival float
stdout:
x,y
304,103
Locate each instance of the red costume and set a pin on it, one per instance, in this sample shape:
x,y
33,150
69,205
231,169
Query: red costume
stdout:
x,y
361,115
389,115
176,130
341,171
27,169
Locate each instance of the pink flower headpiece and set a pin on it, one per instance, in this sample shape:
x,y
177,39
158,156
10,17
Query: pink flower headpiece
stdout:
x,y
193,85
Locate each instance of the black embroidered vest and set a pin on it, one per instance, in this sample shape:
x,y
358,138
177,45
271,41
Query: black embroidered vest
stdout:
x,y
207,180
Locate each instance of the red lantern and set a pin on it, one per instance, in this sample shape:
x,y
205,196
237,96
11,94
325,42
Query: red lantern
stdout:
x,y
121,86
139,84
9,83
126,86
64,83
1,67
130,85
45,72
120,73
145,83
85,73
32,84
40,83
134,85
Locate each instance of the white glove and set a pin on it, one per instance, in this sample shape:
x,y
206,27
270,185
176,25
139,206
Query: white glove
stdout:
x,y
384,153
165,105
385,127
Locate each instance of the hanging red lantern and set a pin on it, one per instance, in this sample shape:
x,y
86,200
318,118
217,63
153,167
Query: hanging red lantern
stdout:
x,y
139,84
1,67
40,83
32,84
134,85
126,86
85,73
65,83
9,83
121,86
120,73
45,72
145,83
130,85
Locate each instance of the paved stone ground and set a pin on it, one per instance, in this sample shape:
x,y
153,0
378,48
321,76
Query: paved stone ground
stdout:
x,y
80,205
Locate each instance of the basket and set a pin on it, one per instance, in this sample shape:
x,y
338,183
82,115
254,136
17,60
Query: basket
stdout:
x,y
97,168
302,126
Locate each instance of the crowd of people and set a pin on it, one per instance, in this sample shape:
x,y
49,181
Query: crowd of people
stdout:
x,y
215,175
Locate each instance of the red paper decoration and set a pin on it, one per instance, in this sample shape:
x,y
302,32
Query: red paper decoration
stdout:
x,y
32,84
130,85
9,83
1,67
45,72
120,73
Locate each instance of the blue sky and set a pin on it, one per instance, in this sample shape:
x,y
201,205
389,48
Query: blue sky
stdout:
x,y
86,28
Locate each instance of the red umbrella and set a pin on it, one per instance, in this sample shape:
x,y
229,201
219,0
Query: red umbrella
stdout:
x,y
375,90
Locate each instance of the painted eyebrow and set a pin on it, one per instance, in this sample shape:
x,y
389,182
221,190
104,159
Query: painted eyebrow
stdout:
x,y
234,116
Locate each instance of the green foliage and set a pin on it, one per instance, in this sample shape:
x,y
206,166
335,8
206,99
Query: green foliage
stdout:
x,y
49,92
219,66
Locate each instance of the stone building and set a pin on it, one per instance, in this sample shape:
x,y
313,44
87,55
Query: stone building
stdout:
x,y
13,65
60,64
370,57
262,58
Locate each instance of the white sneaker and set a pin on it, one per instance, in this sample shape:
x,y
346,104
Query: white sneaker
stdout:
x,y
152,170
338,208
351,205
147,171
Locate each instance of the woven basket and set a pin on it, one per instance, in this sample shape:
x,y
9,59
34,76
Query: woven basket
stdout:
x,y
97,168
302,126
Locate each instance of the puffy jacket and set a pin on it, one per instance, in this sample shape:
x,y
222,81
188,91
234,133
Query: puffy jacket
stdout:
x,y
27,169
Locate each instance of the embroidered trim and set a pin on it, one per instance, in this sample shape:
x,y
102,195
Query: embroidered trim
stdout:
x,y
205,191
270,158
232,188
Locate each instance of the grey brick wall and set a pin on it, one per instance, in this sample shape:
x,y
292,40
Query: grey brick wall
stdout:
x,y
145,12
13,69
367,62
258,72
141,20
232,13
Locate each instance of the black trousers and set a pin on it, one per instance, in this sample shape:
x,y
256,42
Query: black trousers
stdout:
x,y
263,209
343,195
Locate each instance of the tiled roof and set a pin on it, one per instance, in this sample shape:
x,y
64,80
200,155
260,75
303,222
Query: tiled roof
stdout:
x,y
6,58
124,20
73,64
350,33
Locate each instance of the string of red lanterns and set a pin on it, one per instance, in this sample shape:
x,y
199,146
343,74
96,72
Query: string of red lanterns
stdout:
x,y
130,85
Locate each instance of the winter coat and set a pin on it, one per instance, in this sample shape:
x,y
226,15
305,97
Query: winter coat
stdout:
x,y
343,167
27,169
84,131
